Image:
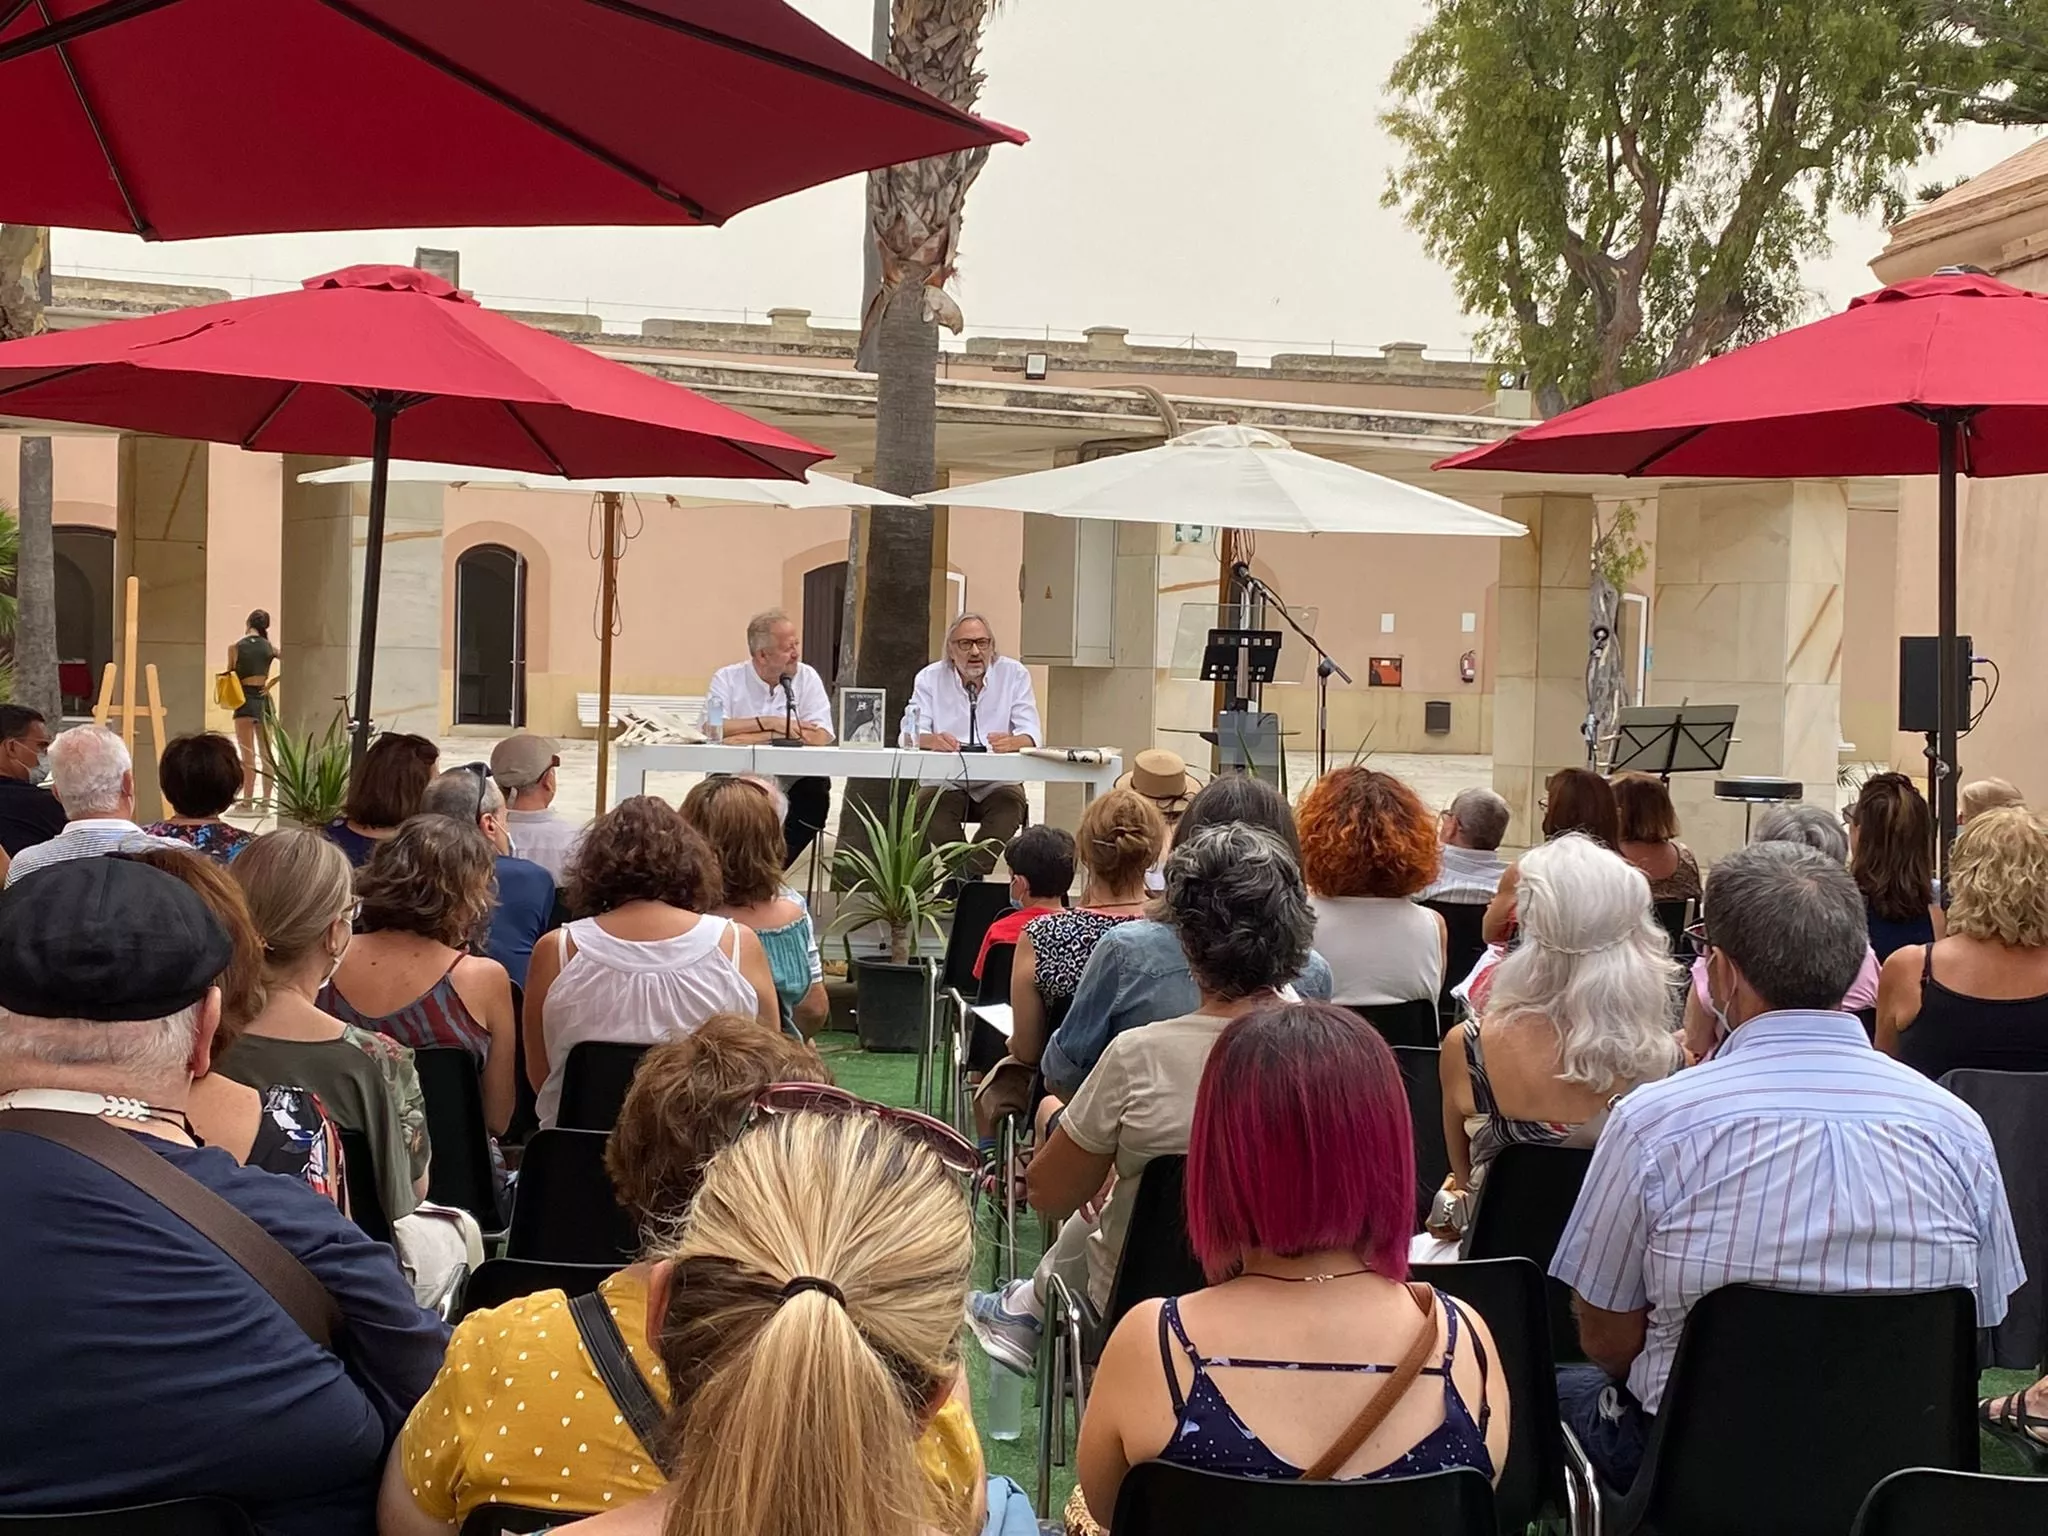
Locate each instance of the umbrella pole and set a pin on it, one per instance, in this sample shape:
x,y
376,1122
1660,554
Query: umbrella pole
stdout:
x,y
1948,707
383,411
607,599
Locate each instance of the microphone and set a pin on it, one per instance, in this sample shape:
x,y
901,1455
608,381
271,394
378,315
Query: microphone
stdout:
x,y
974,743
789,708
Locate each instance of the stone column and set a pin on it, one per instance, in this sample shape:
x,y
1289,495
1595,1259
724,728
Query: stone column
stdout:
x,y
160,538
1539,691
1749,612
320,606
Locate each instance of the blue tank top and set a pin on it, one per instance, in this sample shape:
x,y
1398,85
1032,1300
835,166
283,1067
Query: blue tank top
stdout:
x,y
1208,1434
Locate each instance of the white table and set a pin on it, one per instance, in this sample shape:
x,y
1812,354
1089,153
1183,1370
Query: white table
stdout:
x,y
635,763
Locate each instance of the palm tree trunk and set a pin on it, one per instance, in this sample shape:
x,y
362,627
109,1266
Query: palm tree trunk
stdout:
x,y
24,291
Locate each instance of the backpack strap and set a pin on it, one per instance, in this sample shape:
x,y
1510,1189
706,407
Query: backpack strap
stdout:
x,y
615,1367
270,1264
1383,1401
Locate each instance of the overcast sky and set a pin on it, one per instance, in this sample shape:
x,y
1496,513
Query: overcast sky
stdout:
x,y
1197,167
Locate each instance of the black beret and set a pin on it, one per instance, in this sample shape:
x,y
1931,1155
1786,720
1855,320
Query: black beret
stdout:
x,y
106,939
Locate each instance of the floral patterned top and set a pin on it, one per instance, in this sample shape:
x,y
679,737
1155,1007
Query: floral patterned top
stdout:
x,y
295,1138
1063,941
215,839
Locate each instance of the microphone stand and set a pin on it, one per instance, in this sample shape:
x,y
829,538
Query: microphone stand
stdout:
x,y
1326,666
789,735
974,743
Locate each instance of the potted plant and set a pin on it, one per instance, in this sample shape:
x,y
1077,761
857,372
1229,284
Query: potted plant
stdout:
x,y
898,881
309,775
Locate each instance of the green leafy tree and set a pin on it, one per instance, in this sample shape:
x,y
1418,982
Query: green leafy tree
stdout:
x,y
1621,188
2014,35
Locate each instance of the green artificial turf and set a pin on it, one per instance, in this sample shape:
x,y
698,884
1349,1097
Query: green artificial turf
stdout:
x,y
893,1080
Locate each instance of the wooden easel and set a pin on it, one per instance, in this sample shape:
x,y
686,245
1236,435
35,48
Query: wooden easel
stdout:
x,y
105,708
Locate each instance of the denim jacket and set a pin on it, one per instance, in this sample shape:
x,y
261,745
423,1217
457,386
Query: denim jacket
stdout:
x,y
1136,976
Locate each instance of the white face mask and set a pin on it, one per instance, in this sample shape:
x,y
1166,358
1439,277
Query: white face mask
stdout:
x,y
336,956
1722,1028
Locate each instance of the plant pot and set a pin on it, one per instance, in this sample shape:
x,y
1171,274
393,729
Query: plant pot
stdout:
x,y
889,1005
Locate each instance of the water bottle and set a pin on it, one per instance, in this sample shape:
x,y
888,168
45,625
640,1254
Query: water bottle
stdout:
x,y
913,727
1005,1419
714,719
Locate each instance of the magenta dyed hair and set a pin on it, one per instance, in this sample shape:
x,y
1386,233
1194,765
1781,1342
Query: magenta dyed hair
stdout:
x,y
1301,1142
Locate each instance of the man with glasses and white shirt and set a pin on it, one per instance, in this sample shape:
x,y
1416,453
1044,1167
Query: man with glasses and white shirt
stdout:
x,y
973,701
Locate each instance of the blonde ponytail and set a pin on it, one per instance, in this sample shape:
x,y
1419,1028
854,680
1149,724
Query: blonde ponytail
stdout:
x,y
813,1323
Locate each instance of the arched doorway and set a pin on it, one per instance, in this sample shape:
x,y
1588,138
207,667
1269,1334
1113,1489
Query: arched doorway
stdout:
x,y
824,603
490,636
85,611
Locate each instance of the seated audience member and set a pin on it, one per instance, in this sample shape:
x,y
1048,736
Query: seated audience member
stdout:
x,y
1139,973
142,1361
1874,1178
1988,1007
94,779
523,904
1120,839
1981,795
689,1097
278,1127
200,777
643,962
527,769
298,888
1041,861
739,819
976,698
1574,800
1810,827
29,813
1301,1180
1470,832
384,792
1367,846
1649,837
422,901
1891,854
1161,776
808,1314
1577,1016
1235,902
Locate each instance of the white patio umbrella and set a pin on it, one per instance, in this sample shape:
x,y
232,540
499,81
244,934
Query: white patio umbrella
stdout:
x,y
1232,477
811,491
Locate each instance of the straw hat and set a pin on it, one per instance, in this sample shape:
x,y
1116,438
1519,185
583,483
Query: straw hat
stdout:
x,y
1161,776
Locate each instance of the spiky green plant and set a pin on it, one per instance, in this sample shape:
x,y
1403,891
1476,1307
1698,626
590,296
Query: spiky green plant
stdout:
x,y
309,774
898,879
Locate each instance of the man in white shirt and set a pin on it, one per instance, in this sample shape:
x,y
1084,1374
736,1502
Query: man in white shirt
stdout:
x,y
1471,832
772,696
974,700
526,768
93,778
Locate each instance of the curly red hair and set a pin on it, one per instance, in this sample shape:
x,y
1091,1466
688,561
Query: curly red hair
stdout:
x,y
1365,833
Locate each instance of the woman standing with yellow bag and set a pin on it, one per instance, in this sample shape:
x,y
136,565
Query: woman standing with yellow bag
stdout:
x,y
249,662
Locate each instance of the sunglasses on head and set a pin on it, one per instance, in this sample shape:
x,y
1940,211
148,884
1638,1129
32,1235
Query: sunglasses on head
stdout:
x,y
947,1144
483,778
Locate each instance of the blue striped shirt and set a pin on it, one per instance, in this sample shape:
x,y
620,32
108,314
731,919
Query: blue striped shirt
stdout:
x,y
1798,1158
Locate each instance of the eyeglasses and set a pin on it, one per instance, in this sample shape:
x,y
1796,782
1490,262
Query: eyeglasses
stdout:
x,y
947,1144
483,779
1696,937
974,645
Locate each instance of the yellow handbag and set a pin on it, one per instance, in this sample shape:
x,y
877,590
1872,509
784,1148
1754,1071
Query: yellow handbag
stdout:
x,y
227,691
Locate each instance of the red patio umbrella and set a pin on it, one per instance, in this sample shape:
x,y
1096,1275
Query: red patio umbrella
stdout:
x,y
383,362
173,119
1940,376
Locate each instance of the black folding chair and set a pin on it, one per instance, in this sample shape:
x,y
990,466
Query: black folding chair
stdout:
x,y
595,1080
1524,1205
1675,917
1462,922
207,1516
525,1102
365,1193
1157,1260
974,913
497,1281
1413,1023
1924,1501
1158,1499
459,1169
1545,1477
2014,1109
1783,1410
565,1211
1419,1074
512,1520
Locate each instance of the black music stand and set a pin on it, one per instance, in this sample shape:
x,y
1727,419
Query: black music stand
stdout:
x,y
1246,738
1673,738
